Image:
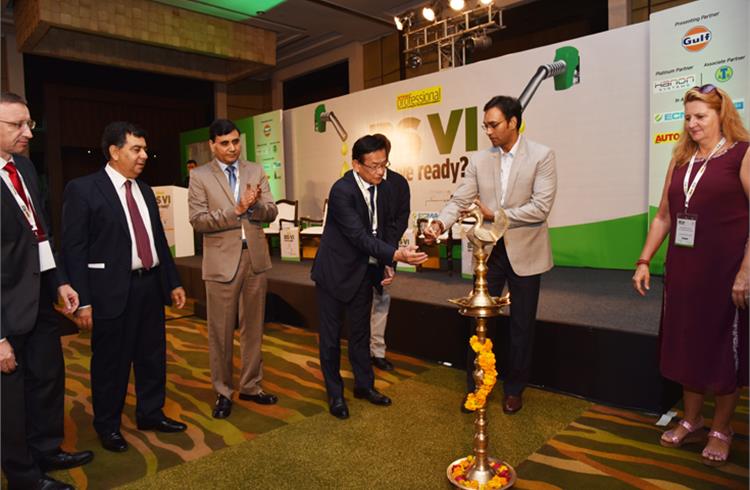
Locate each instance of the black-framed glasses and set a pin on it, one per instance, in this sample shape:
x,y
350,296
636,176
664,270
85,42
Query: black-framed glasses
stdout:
x,y
491,125
30,123
375,168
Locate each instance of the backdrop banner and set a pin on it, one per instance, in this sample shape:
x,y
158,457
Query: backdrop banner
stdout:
x,y
692,45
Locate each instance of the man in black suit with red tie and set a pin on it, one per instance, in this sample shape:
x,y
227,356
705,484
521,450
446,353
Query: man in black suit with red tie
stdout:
x,y
31,360
357,252
118,260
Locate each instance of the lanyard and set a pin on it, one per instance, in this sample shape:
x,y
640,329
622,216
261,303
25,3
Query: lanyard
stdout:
x,y
27,211
689,190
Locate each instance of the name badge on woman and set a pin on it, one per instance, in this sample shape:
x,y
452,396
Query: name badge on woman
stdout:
x,y
684,235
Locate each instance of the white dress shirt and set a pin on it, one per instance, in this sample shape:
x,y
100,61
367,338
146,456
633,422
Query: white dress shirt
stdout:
x,y
506,163
364,188
118,180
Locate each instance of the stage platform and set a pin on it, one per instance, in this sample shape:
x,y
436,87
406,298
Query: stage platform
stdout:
x,y
595,337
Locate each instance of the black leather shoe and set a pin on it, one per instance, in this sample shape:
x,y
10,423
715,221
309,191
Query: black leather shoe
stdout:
x,y
223,407
382,363
512,404
49,483
164,425
372,395
113,442
338,408
463,404
64,460
261,398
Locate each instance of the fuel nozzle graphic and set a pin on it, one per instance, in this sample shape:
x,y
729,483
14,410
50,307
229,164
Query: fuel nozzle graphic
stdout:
x,y
322,118
566,69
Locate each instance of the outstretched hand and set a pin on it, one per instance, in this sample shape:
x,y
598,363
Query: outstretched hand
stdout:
x,y
410,255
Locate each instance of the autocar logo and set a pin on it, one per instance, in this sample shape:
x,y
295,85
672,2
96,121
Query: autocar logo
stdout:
x,y
696,38
671,137
724,73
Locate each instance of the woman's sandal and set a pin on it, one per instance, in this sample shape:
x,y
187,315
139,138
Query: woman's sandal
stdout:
x,y
694,434
717,458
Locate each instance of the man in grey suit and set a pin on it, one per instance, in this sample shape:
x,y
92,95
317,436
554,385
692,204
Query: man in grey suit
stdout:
x,y
229,199
519,176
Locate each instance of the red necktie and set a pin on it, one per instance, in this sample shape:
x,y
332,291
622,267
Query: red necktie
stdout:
x,y
142,243
10,167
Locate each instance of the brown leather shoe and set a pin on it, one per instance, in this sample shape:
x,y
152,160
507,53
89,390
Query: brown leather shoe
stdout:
x,y
512,404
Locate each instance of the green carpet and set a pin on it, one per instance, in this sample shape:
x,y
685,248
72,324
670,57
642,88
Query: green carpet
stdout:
x,y
407,445
291,371
616,449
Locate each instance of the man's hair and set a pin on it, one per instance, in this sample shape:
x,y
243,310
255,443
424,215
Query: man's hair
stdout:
x,y
116,133
387,143
191,161
11,98
367,144
220,127
509,106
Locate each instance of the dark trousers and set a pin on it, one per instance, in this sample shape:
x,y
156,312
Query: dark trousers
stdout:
x,y
33,396
331,320
524,298
136,338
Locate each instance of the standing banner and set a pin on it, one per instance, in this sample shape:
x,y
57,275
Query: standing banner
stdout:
x,y
269,150
174,215
703,42
290,244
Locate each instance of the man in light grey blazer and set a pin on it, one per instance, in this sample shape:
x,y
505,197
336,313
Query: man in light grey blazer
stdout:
x,y
519,176
229,199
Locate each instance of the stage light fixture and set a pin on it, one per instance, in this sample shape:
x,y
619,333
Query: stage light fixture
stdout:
x,y
486,2
457,4
414,61
428,13
399,24
478,41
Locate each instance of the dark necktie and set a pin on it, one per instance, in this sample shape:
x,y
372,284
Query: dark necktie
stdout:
x,y
372,207
142,243
10,167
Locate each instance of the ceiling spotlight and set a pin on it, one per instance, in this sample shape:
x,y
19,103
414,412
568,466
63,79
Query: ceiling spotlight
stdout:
x,y
414,61
428,14
486,2
399,24
457,4
478,41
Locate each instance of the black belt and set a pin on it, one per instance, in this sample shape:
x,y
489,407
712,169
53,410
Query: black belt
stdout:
x,y
145,272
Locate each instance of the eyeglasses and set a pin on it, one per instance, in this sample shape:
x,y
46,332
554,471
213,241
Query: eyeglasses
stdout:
x,y
375,168
491,125
31,124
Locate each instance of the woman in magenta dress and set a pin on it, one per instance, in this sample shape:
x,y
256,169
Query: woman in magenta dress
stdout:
x,y
704,324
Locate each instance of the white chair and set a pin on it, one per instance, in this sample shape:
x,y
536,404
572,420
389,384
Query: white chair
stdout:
x,y
286,218
314,227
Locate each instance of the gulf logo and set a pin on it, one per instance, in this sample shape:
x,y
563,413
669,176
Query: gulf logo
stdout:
x,y
696,38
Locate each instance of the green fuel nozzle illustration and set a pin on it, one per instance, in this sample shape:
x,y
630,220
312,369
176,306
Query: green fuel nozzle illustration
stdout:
x,y
566,69
322,118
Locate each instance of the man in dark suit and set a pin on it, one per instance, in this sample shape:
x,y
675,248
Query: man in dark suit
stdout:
x,y
358,243
31,360
400,201
118,260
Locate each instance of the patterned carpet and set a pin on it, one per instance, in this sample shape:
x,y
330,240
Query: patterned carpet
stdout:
x,y
612,449
291,370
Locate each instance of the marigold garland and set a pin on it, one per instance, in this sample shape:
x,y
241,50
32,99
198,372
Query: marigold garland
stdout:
x,y
501,478
486,358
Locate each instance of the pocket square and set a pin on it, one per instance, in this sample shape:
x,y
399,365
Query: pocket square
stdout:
x,y
98,265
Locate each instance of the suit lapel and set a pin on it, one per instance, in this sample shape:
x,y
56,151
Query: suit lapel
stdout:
x,y
222,180
359,199
380,204
518,163
494,162
107,189
8,197
153,208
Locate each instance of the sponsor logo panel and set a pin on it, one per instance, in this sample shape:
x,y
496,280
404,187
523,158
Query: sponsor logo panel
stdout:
x,y
673,84
664,117
670,137
724,73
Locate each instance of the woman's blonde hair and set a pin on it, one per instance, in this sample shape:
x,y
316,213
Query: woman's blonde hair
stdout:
x,y
729,119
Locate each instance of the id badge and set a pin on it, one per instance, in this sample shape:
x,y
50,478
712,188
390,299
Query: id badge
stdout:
x,y
684,235
46,258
